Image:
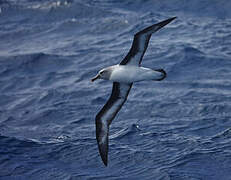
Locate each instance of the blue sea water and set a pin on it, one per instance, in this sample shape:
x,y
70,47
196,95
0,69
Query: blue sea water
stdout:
x,y
176,129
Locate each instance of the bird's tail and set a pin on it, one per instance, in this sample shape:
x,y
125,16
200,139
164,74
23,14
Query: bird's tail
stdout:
x,y
163,74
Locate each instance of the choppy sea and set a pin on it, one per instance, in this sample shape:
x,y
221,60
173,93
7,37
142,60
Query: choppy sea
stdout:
x,y
176,129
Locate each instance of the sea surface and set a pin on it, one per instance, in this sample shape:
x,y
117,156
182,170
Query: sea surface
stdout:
x,y
175,129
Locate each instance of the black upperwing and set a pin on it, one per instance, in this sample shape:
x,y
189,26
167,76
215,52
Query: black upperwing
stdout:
x,y
140,43
104,118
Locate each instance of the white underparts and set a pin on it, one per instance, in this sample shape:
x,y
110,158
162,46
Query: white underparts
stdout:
x,y
130,74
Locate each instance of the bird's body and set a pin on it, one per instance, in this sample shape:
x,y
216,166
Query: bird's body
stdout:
x,y
130,74
123,76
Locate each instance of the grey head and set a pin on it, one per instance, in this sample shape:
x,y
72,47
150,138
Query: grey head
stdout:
x,y
103,74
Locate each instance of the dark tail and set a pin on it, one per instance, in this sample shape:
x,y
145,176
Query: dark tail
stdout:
x,y
164,74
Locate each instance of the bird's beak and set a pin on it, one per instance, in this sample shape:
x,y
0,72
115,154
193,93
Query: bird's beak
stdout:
x,y
96,77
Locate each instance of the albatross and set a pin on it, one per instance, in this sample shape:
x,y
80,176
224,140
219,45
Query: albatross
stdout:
x,y
123,75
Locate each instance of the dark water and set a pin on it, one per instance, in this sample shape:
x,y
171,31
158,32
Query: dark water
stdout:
x,y
176,129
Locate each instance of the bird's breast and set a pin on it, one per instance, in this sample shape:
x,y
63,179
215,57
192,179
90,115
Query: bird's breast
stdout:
x,y
130,74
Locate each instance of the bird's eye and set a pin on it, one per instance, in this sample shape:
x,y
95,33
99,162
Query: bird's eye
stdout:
x,y
101,72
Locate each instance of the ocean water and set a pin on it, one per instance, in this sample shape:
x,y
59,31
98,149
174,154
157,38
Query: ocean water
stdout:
x,y
176,129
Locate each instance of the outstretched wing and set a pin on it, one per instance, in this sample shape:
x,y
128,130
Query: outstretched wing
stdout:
x,y
107,114
140,43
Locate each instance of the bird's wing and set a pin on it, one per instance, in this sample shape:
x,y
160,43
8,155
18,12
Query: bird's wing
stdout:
x,y
107,114
140,43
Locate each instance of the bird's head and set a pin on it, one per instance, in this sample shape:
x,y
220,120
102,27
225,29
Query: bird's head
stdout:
x,y
102,74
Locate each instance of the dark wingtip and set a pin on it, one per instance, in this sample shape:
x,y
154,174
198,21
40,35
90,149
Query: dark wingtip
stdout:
x,y
104,160
173,18
156,27
165,22
102,140
103,151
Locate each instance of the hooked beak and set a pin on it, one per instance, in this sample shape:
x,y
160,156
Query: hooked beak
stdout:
x,y
96,77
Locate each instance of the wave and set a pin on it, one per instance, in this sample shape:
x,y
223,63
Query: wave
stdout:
x,y
126,132
48,10
15,143
31,64
216,8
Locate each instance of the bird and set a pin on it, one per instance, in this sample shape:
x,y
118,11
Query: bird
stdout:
x,y
123,75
